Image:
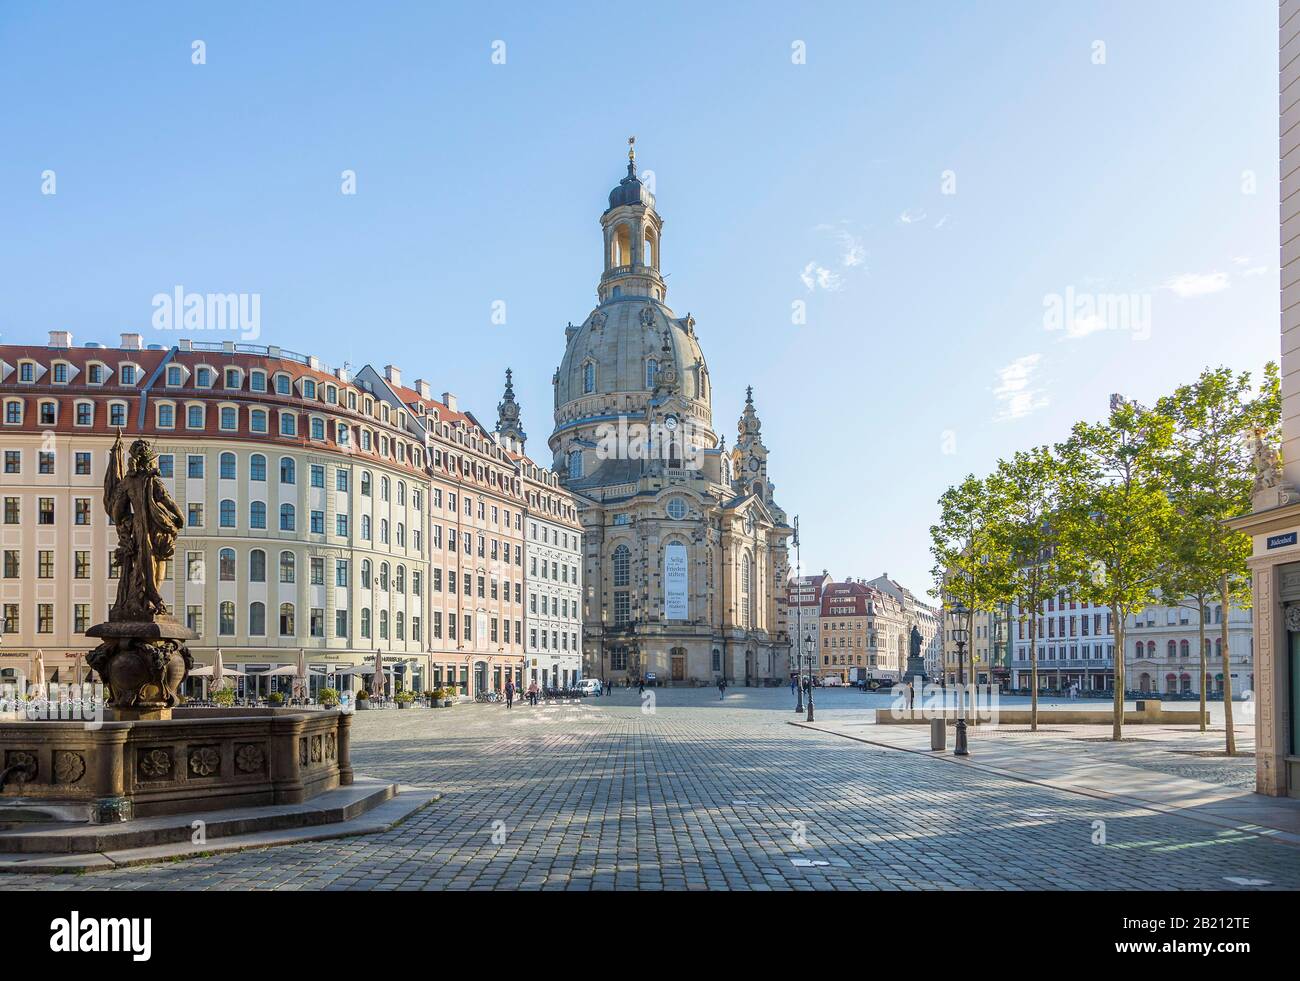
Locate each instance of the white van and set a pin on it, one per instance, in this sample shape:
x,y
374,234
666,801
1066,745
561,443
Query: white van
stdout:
x,y
589,686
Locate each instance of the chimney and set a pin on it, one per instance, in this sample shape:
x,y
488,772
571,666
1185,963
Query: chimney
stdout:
x,y
392,375
60,338
132,342
423,388
449,401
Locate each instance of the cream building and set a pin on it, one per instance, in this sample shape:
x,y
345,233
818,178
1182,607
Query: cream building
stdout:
x,y
335,516
685,558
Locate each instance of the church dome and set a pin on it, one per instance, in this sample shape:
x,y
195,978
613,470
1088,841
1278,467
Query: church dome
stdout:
x,y
620,348
630,191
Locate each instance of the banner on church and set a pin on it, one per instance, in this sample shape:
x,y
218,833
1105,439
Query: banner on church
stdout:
x,y
675,582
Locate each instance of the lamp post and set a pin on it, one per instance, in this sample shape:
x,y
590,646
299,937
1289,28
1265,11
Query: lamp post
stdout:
x,y
960,637
808,648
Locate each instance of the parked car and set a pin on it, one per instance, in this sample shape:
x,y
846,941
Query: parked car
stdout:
x,y
588,686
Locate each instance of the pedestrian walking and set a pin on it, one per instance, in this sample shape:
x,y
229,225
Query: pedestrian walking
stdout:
x,y
911,695
722,688
793,685
532,693
510,694
640,686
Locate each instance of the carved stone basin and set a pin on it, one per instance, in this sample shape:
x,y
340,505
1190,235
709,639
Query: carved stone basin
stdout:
x,y
23,813
200,759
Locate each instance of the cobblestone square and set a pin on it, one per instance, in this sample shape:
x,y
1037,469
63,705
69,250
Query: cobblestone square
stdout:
x,y
702,794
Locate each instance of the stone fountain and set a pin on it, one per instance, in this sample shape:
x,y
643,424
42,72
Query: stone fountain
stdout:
x,y
147,755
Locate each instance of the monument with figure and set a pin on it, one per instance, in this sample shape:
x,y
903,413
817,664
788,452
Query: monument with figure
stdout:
x,y
915,659
142,660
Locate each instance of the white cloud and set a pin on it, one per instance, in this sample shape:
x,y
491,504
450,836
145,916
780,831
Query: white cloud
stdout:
x,y
1240,260
911,216
819,277
1255,271
1189,285
1016,392
852,252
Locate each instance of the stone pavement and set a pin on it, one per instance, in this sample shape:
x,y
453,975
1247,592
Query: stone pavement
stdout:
x,y
708,795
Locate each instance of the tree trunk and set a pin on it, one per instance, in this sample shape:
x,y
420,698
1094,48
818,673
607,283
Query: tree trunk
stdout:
x,y
1201,613
1227,669
1033,673
1117,731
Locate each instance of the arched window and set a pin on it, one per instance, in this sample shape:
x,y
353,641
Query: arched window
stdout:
x,y
257,619
365,573
1218,647
588,378
401,492
649,252
286,517
1183,648
365,483
383,530
286,567
226,619
227,513
227,466
383,488
1151,648
383,624
622,566
257,514
1139,649
257,467
287,470
286,620
226,565
1172,649
746,605
365,622
400,625
383,576
575,464
651,369
257,566
399,579
620,246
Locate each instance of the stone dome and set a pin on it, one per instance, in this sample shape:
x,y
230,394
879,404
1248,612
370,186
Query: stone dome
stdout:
x,y
618,338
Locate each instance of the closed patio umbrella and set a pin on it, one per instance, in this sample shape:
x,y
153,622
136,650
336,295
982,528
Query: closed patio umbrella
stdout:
x,y
218,668
38,670
300,681
380,686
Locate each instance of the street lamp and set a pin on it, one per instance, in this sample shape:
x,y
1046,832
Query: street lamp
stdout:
x,y
798,673
808,646
960,637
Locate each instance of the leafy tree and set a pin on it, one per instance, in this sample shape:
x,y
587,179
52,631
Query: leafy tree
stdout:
x,y
1211,473
1027,492
970,567
1115,517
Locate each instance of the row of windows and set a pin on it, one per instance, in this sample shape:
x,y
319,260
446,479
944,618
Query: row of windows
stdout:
x,y
498,589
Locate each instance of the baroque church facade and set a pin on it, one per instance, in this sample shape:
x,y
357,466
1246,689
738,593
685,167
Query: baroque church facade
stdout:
x,y
685,554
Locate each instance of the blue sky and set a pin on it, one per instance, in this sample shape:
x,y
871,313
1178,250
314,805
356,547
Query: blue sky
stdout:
x,y
924,354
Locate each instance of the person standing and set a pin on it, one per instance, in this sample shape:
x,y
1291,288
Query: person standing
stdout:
x,y
532,693
510,693
722,688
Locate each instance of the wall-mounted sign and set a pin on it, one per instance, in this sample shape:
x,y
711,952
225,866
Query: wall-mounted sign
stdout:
x,y
675,582
1281,541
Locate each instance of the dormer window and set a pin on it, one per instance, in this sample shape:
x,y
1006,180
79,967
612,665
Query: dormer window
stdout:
x,y
95,373
308,389
61,372
174,377
126,375
234,378
331,395
283,385
27,371
203,378
257,381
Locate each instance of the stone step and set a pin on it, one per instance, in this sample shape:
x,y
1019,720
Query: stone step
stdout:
x,y
66,838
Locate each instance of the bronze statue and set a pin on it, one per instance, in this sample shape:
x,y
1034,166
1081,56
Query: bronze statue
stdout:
x,y
148,523
143,659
